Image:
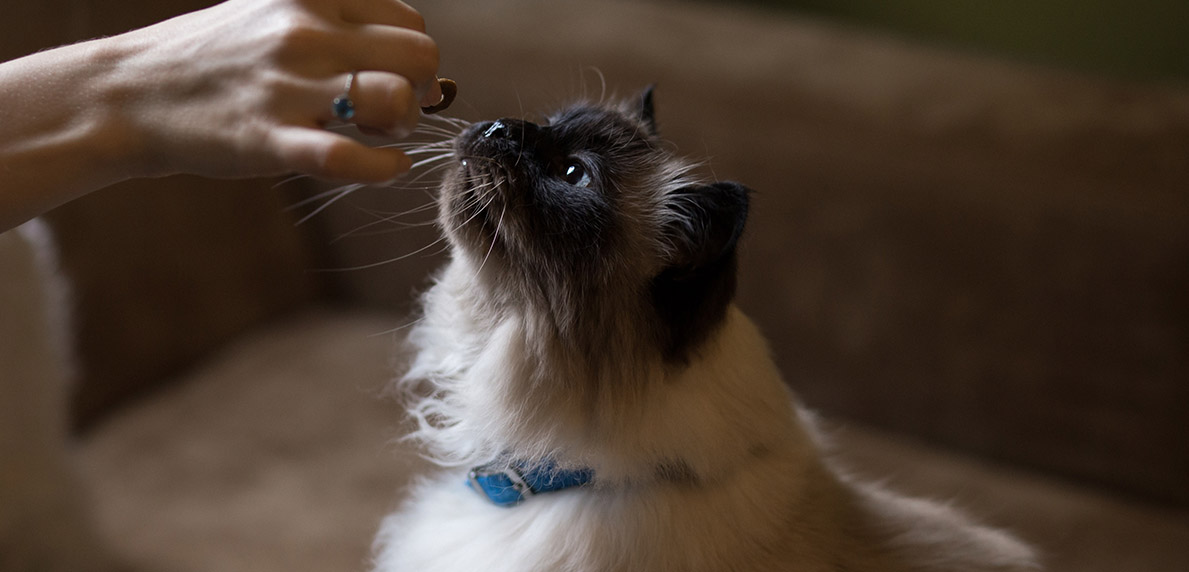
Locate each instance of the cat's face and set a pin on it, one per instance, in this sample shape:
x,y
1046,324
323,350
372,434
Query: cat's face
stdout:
x,y
590,219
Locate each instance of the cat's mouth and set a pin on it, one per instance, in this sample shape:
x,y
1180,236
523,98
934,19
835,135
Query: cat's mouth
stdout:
x,y
475,202
479,160
483,178
488,177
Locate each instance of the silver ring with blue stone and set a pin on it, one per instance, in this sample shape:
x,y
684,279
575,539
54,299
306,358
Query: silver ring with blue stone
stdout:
x,y
342,107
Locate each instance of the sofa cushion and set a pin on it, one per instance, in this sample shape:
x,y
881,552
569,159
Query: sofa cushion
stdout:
x,y
163,271
280,455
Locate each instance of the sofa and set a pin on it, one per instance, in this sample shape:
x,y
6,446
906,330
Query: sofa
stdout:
x,y
975,269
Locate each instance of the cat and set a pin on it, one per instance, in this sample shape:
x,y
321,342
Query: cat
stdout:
x,y
581,351
45,516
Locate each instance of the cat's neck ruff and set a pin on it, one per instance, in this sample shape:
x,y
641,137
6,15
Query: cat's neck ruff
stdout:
x,y
495,389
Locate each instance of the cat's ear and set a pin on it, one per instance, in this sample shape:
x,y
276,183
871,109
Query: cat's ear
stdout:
x,y
692,294
714,216
647,111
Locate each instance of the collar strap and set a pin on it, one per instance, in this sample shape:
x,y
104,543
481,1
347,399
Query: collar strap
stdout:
x,y
508,484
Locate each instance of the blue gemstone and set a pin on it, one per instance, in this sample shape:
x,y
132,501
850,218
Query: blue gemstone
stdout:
x,y
343,108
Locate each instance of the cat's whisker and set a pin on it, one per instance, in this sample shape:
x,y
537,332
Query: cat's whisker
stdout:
x,y
430,160
478,195
342,192
436,130
494,238
602,84
485,160
431,204
443,144
424,174
425,150
390,219
433,170
411,184
397,226
473,203
339,193
315,198
404,326
446,119
382,262
479,198
288,180
440,145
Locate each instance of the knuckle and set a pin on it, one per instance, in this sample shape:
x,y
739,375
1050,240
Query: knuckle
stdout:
x,y
415,20
434,55
427,55
401,104
434,58
400,94
408,124
277,90
334,160
298,34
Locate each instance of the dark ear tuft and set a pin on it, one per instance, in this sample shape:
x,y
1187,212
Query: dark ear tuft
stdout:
x,y
717,214
691,297
647,111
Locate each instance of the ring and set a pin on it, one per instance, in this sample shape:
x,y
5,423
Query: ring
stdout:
x,y
342,107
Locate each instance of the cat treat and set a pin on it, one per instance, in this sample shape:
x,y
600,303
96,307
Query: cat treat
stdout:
x,y
449,91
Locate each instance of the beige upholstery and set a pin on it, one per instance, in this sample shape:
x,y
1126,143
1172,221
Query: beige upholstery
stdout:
x,y
278,455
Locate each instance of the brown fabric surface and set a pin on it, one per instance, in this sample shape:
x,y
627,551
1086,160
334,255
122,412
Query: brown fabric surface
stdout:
x,y
164,271
986,255
277,455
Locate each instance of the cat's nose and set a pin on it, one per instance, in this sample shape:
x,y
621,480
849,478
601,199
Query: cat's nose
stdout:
x,y
497,130
506,128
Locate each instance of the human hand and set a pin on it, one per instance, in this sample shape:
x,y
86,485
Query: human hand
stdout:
x,y
244,88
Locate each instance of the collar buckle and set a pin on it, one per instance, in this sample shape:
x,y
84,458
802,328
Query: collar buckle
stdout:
x,y
508,484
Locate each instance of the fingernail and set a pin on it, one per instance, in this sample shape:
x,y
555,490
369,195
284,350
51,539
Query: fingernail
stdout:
x,y
433,96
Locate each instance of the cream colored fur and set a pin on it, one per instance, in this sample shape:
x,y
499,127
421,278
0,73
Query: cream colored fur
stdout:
x,y
758,494
44,523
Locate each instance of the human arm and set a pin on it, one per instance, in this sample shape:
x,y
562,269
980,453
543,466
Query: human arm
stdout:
x,y
240,89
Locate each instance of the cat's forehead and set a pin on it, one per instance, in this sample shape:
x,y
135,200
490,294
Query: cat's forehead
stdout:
x,y
599,128
591,119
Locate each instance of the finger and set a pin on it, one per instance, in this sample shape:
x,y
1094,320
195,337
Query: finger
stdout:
x,y
434,95
385,12
327,155
396,50
383,101
449,90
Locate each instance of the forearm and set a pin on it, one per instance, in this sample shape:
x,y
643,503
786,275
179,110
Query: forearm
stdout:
x,y
240,89
61,133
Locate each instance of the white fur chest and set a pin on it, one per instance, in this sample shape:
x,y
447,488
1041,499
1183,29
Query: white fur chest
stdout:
x,y
708,467
661,527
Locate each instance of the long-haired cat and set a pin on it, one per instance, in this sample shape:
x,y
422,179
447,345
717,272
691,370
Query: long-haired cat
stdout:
x,y
582,353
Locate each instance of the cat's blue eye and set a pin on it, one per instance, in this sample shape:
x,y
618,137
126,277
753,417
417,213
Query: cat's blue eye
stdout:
x,y
575,174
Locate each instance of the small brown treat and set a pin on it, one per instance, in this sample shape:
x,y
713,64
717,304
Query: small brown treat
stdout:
x,y
449,90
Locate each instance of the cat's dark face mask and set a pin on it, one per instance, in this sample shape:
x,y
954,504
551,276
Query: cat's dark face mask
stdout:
x,y
589,212
553,189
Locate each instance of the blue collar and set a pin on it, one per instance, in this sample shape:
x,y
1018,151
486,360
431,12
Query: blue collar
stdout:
x,y
508,484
